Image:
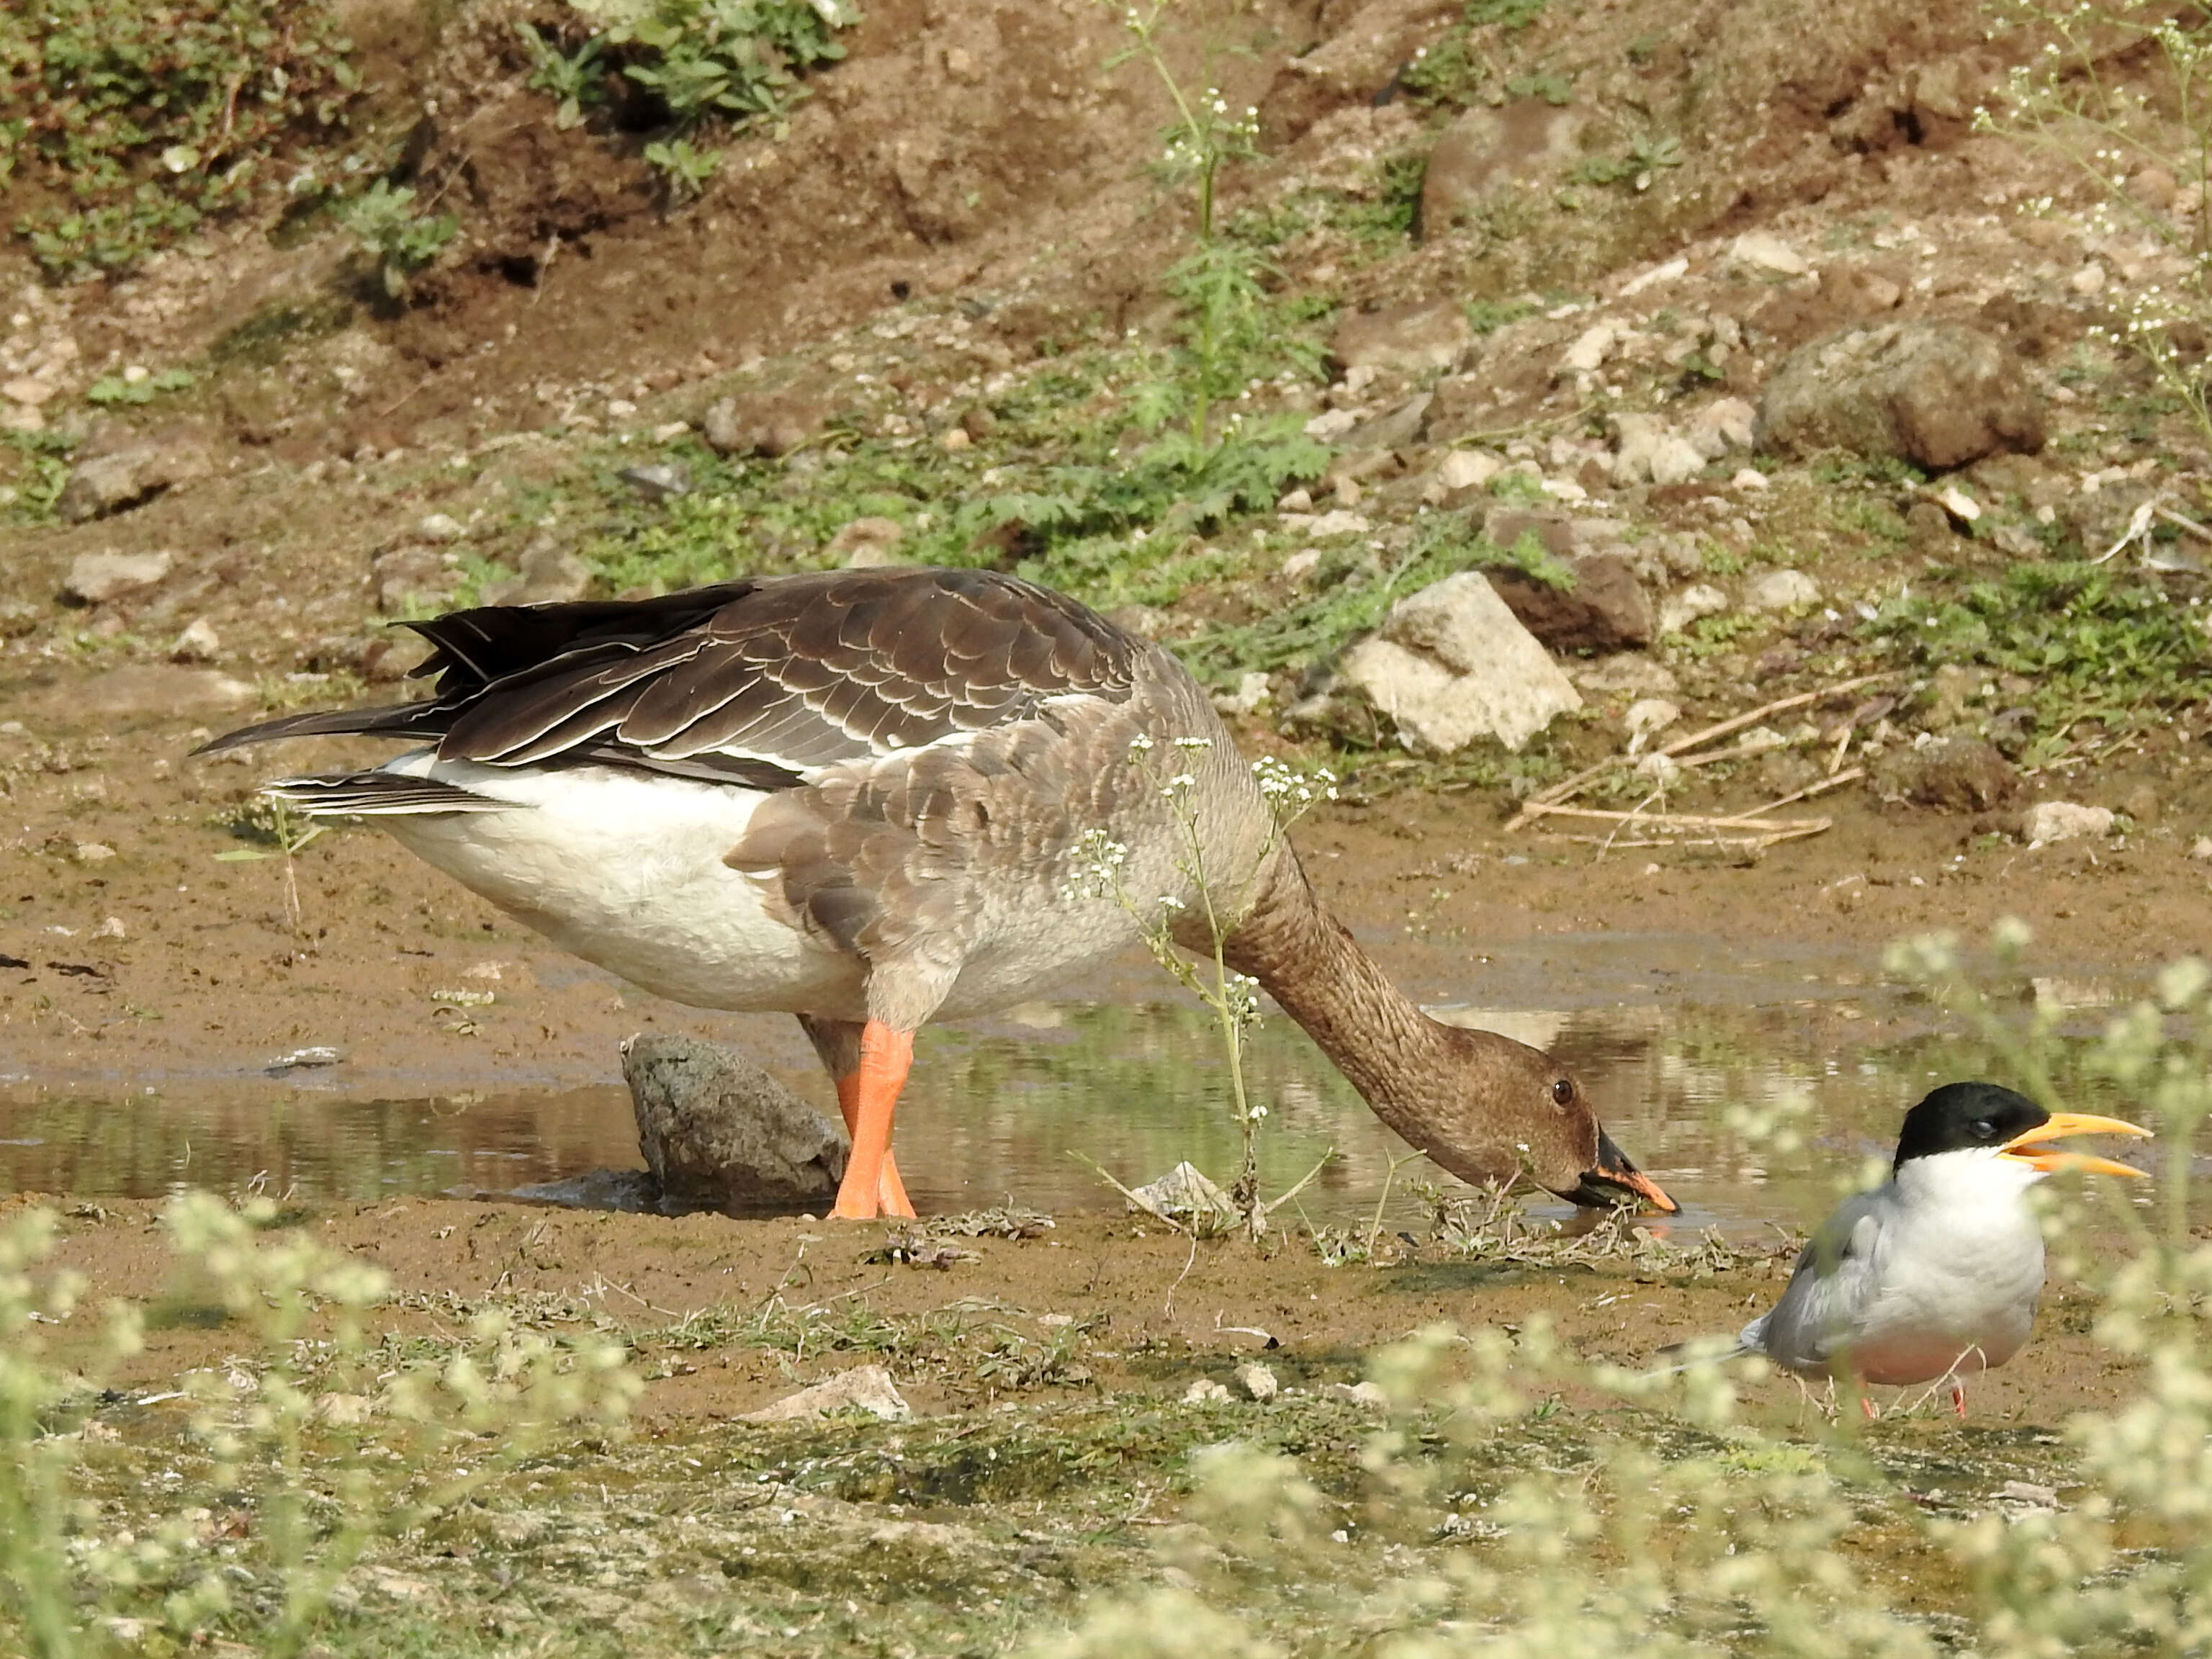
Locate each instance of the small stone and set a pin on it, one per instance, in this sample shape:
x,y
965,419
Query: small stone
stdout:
x,y
1451,663
1330,425
441,527
1649,715
1781,590
1368,1394
1253,693
1205,1391
1297,500
93,852
197,643
1301,564
29,391
1725,423
111,928
2154,187
719,1134
1958,503
620,409
1257,1381
866,543
1467,469
2088,280
344,1410
2063,820
96,578
2201,849
1675,460
2142,804
1591,349
1759,250
1411,337
657,481
669,431
1749,477
867,1388
1677,610
1339,523
955,438
1627,673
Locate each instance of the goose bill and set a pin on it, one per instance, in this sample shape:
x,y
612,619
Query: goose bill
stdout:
x,y
2024,1146
1616,1181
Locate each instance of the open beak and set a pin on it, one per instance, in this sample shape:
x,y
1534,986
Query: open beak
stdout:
x,y
2062,1124
1616,1181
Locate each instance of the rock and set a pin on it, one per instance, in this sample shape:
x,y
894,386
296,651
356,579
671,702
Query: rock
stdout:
x,y
720,1134
344,1410
28,390
1399,429
1257,1381
1759,250
865,1387
1748,477
1185,1196
1631,673
1301,564
547,573
1679,609
2063,820
658,481
866,543
1205,1391
1591,349
2142,804
1506,528
1330,425
1485,150
1646,447
1462,472
439,527
1367,1395
93,852
1939,395
1605,609
1451,664
2201,849
1414,338
1253,693
768,423
1295,501
1952,775
1648,716
122,478
1725,423
1780,590
96,578
199,642
139,689
410,577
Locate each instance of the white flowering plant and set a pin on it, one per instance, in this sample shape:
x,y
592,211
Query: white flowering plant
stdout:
x,y
2121,90
1209,909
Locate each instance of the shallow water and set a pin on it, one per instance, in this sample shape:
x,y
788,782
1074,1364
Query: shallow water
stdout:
x,y
1007,1110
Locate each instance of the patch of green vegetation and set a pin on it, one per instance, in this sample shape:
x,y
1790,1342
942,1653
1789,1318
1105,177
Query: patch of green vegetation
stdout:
x,y
143,121
111,389
1388,214
1645,158
400,237
44,468
264,339
2097,642
1866,516
1708,636
681,69
1842,467
1486,316
1557,90
1453,70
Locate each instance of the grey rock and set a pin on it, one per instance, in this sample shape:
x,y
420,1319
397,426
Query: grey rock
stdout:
x,y
1485,150
865,1387
2048,821
1630,673
1724,425
1411,337
1604,608
658,481
1679,609
1399,429
96,578
1780,590
719,1134
766,422
128,477
1936,394
866,543
1451,664
1953,774
547,574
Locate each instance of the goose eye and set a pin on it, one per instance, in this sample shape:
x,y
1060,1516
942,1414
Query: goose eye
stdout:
x,y
1563,1092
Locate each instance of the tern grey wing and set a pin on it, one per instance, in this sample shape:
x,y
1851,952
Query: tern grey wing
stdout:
x,y
1835,1281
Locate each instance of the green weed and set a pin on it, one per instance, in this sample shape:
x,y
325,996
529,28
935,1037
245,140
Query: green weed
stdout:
x,y
2099,643
143,121
401,238
112,389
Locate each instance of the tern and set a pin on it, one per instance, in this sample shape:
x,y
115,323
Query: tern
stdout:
x,y
1934,1273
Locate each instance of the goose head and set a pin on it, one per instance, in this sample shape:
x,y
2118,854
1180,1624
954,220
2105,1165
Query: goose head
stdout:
x,y
1501,1106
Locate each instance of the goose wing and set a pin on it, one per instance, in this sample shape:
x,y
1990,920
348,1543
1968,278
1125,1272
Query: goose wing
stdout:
x,y
766,681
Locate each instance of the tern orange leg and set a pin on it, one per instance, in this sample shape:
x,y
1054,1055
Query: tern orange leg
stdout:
x,y
867,1096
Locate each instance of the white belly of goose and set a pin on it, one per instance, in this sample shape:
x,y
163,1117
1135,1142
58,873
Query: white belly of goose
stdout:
x,y
625,870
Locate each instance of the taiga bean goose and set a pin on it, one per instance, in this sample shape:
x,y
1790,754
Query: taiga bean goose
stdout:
x,y
859,796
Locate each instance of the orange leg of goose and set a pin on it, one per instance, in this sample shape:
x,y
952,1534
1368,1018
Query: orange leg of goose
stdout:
x,y
867,1094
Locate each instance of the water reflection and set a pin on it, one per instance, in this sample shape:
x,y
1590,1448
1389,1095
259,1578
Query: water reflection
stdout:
x,y
1007,1110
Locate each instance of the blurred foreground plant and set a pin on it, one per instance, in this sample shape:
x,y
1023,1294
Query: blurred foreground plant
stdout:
x,y
301,1453
1496,1516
